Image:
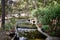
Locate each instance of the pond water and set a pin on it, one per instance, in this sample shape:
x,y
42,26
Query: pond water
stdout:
x,y
22,38
28,33
22,21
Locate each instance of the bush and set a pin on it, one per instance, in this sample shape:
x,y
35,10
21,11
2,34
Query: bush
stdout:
x,y
46,16
8,26
45,27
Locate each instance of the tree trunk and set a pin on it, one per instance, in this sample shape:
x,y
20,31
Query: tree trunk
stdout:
x,y
3,14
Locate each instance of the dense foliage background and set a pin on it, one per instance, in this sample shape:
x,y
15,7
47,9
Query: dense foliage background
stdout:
x,y
49,15
46,11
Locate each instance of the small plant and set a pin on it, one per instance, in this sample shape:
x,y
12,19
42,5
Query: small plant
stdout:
x,y
10,24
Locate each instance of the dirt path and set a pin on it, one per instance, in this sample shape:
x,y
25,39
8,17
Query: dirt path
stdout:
x,y
3,36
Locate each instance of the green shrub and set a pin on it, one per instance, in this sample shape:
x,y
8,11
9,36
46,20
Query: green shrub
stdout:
x,y
45,27
8,26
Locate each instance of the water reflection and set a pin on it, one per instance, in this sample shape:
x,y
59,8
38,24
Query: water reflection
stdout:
x,y
22,38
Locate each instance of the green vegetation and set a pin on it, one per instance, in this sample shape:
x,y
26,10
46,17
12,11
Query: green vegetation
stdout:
x,y
45,15
46,11
31,35
10,24
49,15
26,25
